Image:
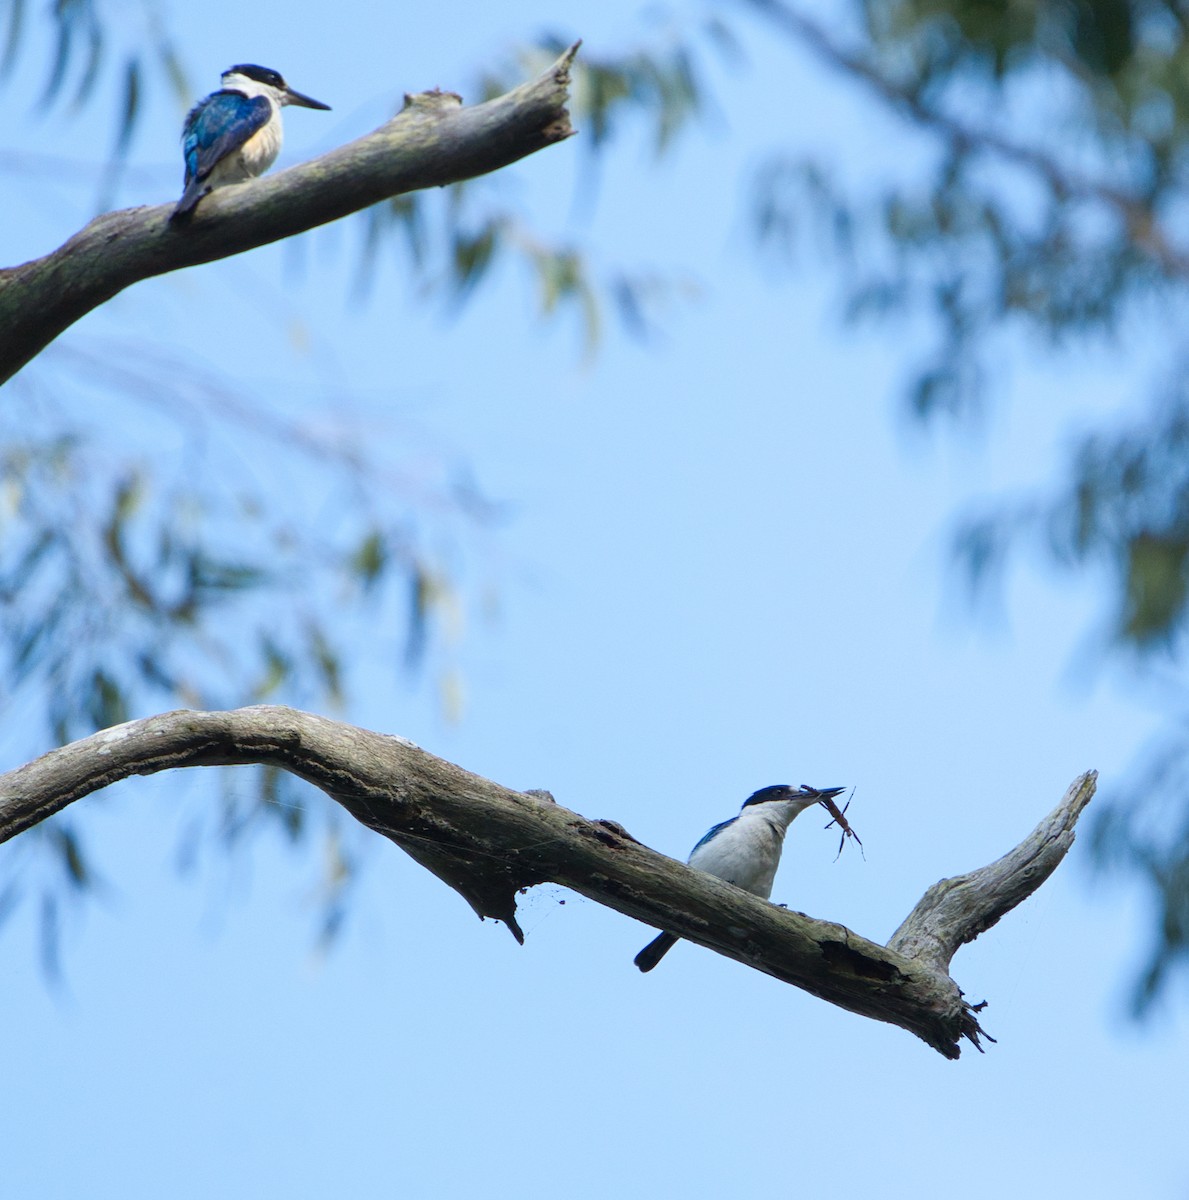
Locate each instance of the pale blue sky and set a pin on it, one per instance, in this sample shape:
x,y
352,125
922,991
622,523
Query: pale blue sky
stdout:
x,y
726,567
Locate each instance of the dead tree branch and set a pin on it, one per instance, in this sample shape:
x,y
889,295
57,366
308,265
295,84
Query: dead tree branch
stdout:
x,y
488,842
955,911
431,142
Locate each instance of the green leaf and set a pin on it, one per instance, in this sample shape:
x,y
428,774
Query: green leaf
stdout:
x,y
129,109
1156,587
369,559
106,705
68,846
277,668
422,592
327,663
472,256
50,930
90,75
13,34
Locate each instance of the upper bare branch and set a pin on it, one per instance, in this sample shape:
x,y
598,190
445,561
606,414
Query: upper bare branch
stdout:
x,y
431,142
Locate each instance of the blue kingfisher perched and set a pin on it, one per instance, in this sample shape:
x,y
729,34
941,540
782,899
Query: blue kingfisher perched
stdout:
x,y
235,133
746,849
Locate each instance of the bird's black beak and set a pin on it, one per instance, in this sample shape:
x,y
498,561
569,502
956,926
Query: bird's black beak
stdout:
x,y
825,795
292,97
821,795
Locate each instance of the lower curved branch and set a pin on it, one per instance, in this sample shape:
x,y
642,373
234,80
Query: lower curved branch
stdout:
x,y
488,842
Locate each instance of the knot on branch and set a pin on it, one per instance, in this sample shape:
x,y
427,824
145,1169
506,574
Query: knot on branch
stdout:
x,y
431,102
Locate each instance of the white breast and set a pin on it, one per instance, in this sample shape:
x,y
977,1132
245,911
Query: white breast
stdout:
x,y
260,151
746,854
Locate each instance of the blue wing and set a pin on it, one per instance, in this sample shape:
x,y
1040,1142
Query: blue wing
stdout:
x,y
217,126
711,833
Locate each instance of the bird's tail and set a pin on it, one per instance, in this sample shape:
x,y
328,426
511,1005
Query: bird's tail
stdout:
x,y
655,951
195,190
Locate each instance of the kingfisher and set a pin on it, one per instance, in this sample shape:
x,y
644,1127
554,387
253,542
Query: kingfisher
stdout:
x,y
746,849
235,133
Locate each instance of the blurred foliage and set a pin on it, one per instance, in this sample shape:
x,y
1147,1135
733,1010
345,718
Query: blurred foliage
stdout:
x,y
1045,200
91,55
453,244
1038,194
136,580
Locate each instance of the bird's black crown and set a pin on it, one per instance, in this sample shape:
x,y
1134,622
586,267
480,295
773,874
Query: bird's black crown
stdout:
x,y
260,74
779,791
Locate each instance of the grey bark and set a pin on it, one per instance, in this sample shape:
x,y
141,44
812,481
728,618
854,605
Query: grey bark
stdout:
x,y
488,842
431,142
